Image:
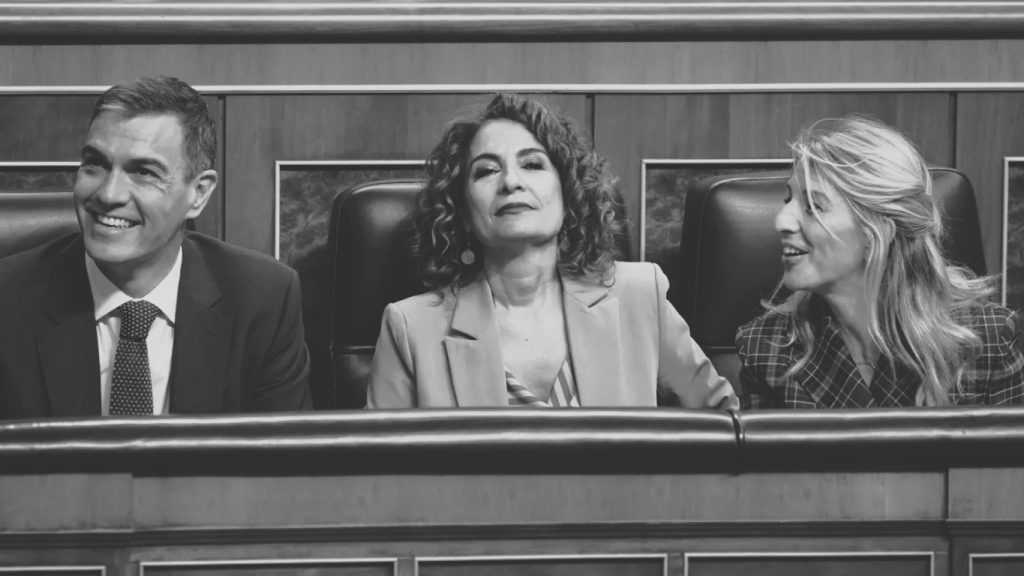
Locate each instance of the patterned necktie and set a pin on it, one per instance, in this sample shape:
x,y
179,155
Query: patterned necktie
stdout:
x,y
132,390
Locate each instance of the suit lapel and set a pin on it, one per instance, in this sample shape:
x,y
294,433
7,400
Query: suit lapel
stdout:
x,y
592,321
66,340
202,337
474,351
831,377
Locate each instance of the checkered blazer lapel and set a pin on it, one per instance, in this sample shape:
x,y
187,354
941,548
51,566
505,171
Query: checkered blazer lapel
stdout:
x,y
831,377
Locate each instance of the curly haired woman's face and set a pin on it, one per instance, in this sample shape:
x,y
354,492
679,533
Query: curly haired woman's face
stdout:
x,y
513,191
812,259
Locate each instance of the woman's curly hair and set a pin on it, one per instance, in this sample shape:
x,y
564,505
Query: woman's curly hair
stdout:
x,y
590,232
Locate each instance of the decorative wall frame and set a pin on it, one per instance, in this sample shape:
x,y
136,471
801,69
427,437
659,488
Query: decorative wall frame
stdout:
x,y
663,196
318,209
267,563
1013,233
97,570
540,557
18,177
805,555
991,556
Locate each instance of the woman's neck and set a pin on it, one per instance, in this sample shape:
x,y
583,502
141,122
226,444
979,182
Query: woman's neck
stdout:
x,y
525,279
850,309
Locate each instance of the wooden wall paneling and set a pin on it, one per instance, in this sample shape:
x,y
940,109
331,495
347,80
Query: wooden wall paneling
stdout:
x,y
263,129
989,127
272,567
43,128
993,554
211,221
375,501
621,565
65,502
404,63
32,565
630,128
877,564
171,20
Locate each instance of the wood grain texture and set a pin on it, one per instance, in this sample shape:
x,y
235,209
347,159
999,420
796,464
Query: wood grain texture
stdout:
x,y
652,62
546,567
986,494
43,128
263,129
275,567
65,502
211,221
797,566
988,555
999,566
989,128
630,128
390,500
45,20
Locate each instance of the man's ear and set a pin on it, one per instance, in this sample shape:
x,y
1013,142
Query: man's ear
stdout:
x,y
203,186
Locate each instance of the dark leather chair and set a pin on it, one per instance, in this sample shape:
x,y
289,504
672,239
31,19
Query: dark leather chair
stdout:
x,y
370,237
31,219
730,257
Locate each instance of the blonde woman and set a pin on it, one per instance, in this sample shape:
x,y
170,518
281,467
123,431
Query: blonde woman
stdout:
x,y
877,317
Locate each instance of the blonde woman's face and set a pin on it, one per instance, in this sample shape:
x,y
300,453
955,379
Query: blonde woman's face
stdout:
x,y
812,259
513,191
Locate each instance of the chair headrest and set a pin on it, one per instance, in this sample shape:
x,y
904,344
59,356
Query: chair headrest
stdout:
x,y
370,236
730,251
31,219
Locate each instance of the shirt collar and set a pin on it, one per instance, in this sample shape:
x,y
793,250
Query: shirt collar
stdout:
x,y
106,297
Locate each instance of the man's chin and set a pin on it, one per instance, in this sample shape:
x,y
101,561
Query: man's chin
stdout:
x,y
105,251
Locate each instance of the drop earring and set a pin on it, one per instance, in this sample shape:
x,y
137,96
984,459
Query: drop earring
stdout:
x,y
468,257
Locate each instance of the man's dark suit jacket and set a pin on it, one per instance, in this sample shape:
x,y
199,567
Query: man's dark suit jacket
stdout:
x,y
238,338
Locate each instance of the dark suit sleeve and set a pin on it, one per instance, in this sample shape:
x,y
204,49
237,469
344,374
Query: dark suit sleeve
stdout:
x,y
755,394
283,381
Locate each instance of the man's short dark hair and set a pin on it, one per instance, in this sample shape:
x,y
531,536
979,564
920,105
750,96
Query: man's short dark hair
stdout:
x,y
159,95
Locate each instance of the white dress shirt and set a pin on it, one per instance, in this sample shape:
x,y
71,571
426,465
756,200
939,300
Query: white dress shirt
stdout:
x,y
106,298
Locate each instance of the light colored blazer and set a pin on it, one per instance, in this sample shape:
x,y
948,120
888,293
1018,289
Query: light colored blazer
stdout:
x,y
625,341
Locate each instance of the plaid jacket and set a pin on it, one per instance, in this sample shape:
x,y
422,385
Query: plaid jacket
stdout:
x,y
831,379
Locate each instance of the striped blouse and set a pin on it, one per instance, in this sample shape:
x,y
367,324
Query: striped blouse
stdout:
x,y
563,393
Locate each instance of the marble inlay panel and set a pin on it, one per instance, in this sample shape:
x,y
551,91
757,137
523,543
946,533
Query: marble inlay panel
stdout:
x,y
306,195
1015,235
36,179
666,187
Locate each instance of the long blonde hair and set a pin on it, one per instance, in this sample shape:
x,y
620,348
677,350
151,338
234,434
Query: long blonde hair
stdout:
x,y
919,299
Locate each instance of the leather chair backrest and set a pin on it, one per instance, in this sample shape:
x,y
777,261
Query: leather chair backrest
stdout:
x,y
370,238
730,257
30,219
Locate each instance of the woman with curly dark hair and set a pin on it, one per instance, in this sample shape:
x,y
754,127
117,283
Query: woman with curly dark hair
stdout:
x,y
516,237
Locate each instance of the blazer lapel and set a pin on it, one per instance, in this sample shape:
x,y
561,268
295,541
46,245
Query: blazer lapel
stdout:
x,y
831,377
202,337
592,321
474,352
66,341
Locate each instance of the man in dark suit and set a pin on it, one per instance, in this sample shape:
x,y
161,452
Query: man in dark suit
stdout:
x,y
134,316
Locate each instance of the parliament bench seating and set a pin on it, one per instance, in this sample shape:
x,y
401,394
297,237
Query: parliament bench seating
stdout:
x,y
729,260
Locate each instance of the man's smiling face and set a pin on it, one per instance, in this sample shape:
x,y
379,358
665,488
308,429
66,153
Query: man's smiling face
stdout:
x,y
132,195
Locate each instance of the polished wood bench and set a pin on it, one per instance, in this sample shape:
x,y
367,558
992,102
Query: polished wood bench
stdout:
x,y
570,492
